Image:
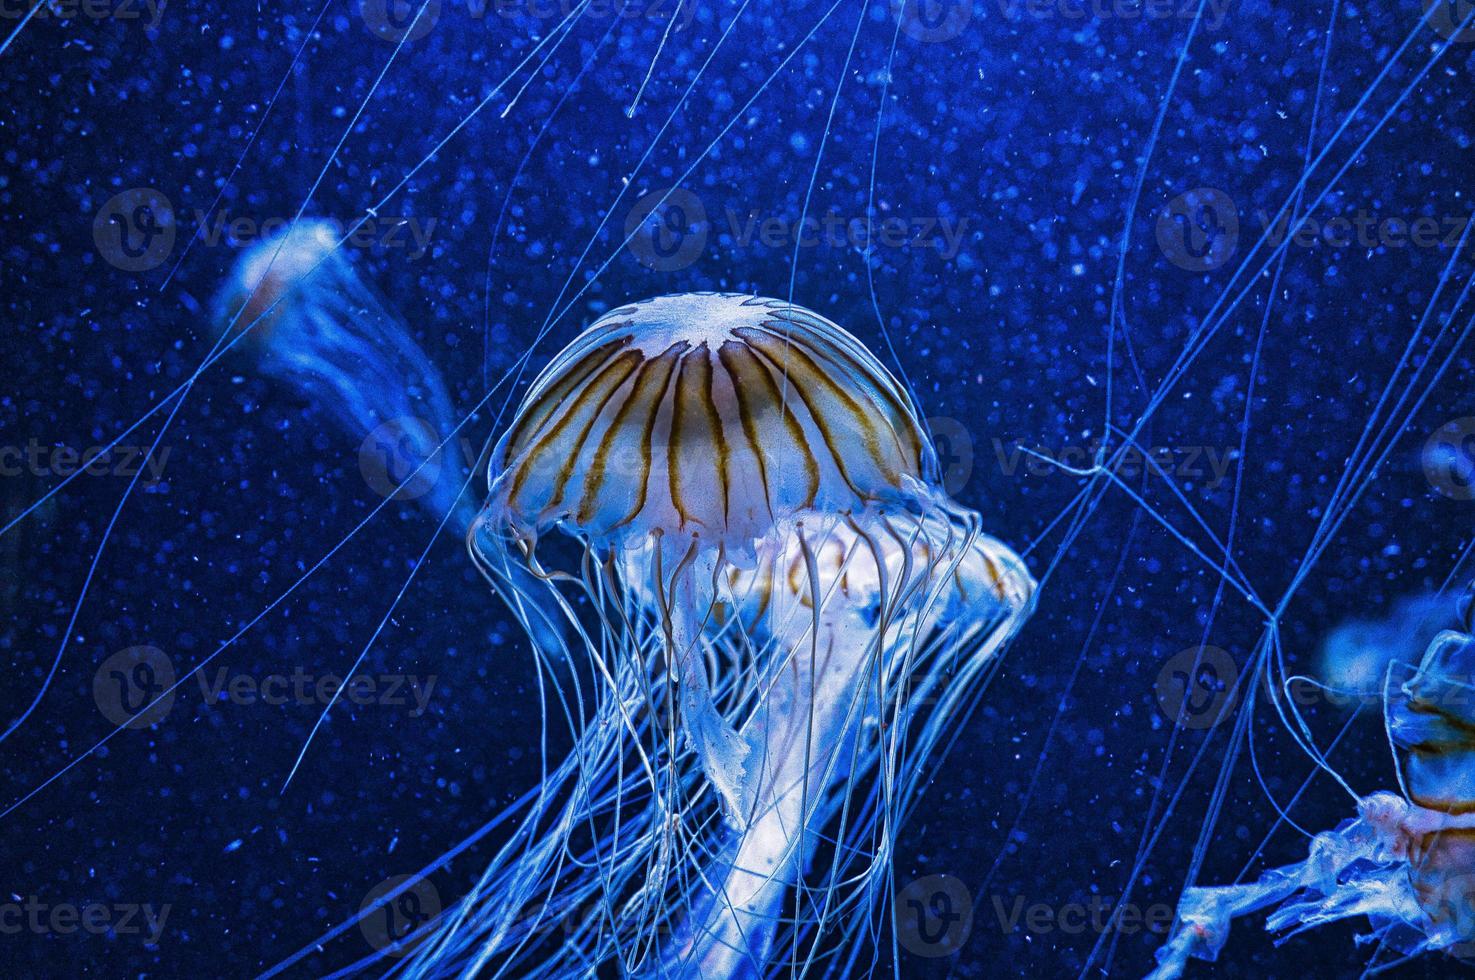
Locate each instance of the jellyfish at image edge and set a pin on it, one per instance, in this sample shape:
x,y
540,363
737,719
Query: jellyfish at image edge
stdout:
x,y
1406,862
775,614
310,320
1355,655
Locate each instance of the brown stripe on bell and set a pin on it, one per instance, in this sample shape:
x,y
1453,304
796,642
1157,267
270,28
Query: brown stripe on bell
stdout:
x,y
710,415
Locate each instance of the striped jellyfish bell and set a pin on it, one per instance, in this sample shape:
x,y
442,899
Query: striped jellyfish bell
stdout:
x,y
708,415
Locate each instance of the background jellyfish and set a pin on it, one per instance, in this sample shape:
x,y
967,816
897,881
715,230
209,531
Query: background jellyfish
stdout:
x,y
310,320
778,615
1406,863
1356,654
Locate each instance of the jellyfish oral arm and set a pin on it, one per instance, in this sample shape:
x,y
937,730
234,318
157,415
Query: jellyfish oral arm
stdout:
x,y
794,751
1391,864
840,641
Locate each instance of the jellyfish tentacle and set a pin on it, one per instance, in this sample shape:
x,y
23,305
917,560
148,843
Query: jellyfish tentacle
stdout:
x,y
808,730
722,752
739,929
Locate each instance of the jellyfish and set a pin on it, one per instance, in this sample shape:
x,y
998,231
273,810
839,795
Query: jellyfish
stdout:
x,y
310,320
1405,862
775,615
1356,654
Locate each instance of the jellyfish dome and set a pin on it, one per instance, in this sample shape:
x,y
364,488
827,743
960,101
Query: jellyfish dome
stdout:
x,y
270,275
712,416
718,520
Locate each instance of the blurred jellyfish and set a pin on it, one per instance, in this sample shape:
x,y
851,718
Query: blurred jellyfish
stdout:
x,y
1355,656
1406,863
777,614
312,322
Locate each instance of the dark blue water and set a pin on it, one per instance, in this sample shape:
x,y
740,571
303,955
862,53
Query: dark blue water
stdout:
x,y
1013,139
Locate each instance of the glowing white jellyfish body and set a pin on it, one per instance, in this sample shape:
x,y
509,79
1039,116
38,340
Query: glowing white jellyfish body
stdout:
x,y
785,773
774,612
1406,863
312,321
